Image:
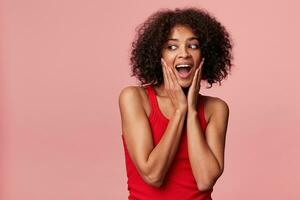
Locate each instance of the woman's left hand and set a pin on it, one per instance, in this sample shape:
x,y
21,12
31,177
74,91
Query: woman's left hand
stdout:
x,y
194,89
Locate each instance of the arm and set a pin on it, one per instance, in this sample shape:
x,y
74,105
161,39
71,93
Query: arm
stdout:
x,y
206,152
151,162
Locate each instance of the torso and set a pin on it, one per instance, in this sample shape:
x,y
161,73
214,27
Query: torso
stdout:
x,y
165,104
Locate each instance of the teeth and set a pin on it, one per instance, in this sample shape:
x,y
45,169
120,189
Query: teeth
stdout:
x,y
183,65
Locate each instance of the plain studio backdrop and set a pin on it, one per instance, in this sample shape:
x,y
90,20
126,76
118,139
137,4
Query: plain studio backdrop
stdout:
x,y
64,63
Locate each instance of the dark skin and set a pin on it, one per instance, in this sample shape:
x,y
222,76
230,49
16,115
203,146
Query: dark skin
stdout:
x,y
206,153
206,162
206,150
191,92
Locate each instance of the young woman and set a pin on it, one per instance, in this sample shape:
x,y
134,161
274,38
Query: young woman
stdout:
x,y
173,136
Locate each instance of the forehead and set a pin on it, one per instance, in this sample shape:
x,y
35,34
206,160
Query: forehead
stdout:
x,y
181,32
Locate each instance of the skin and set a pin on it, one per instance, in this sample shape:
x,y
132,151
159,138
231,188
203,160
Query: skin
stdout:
x,y
181,47
177,99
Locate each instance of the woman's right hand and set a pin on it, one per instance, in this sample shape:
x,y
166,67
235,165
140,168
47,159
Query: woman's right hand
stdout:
x,y
173,88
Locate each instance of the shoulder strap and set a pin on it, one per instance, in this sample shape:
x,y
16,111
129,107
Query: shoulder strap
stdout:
x,y
151,96
202,115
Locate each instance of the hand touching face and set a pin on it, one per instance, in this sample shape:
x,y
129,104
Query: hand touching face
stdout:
x,y
173,89
182,53
193,93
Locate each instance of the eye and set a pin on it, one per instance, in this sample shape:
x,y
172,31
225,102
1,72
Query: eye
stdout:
x,y
194,46
172,47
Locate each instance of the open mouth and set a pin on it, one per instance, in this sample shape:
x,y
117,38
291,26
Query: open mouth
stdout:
x,y
184,70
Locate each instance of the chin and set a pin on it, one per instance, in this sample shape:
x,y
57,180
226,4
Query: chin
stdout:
x,y
185,84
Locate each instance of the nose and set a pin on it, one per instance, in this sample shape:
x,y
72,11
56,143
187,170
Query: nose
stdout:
x,y
183,52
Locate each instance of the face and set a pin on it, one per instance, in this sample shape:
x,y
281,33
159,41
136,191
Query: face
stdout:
x,y
182,53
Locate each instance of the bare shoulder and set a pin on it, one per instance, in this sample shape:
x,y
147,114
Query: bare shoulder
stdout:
x,y
132,97
132,91
128,93
215,105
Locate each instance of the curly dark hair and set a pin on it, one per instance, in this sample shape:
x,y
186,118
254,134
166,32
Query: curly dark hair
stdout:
x,y
215,44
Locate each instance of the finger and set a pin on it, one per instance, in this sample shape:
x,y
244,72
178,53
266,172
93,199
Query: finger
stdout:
x,y
173,77
173,74
201,66
164,72
169,75
168,84
200,73
169,72
194,82
198,80
170,87
202,61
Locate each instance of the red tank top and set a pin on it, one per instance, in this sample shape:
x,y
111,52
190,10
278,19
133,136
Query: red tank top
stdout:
x,y
179,182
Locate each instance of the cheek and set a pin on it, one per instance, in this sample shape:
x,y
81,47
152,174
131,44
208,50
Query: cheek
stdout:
x,y
196,54
196,58
169,58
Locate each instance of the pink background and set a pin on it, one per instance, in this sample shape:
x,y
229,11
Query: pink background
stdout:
x,y
63,64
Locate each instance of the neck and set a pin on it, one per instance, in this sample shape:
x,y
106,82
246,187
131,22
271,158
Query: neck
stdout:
x,y
185,90
160,90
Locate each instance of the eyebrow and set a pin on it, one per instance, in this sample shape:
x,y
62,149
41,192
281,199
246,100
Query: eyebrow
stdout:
x,y
191,38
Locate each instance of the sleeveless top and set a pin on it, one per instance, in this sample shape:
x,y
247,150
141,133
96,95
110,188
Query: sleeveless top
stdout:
x,y
179,182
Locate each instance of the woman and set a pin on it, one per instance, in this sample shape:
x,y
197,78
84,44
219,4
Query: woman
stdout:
x,y
173,136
